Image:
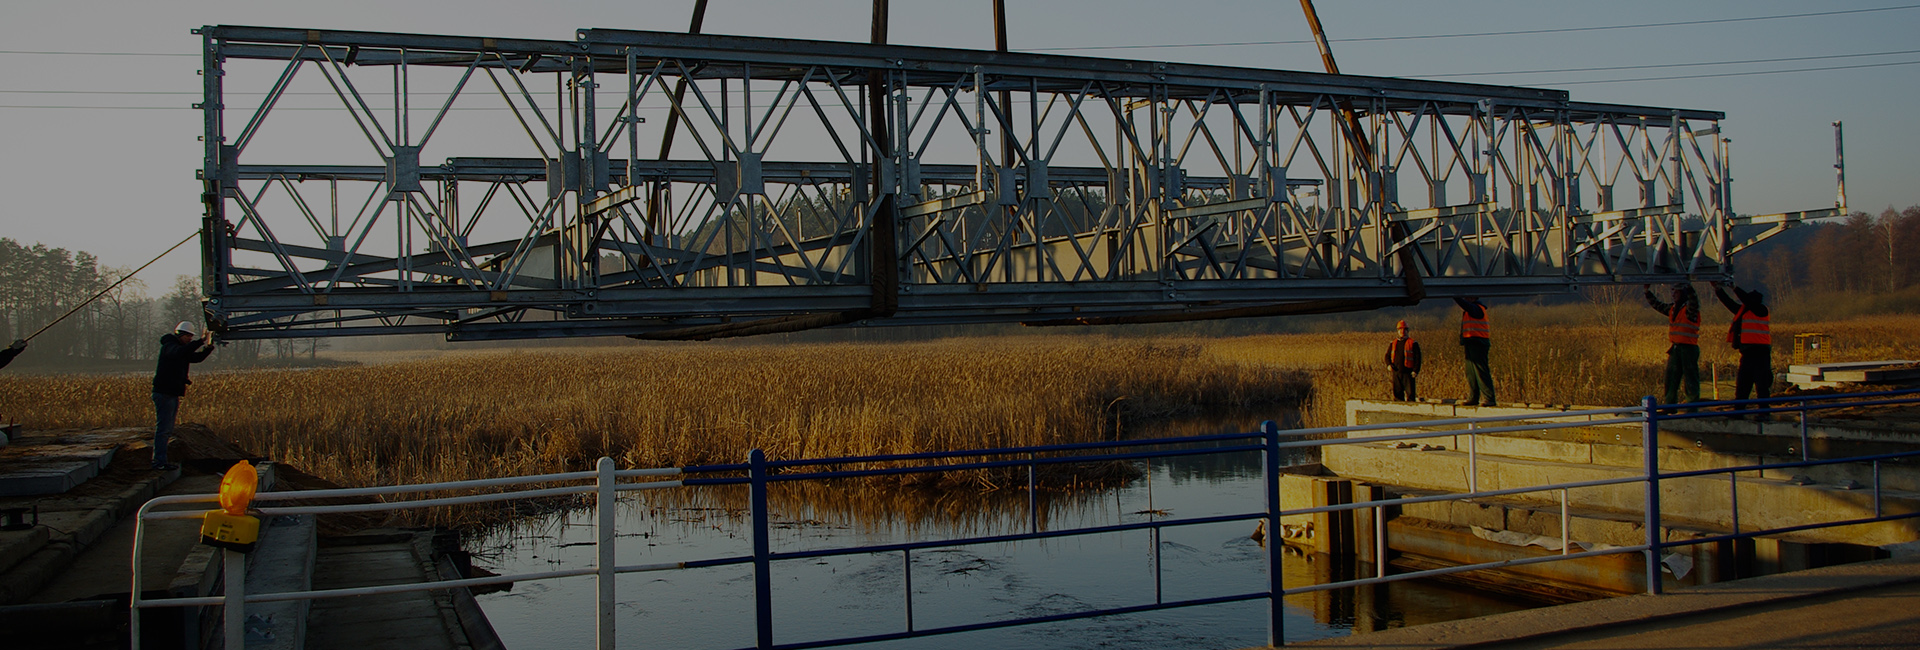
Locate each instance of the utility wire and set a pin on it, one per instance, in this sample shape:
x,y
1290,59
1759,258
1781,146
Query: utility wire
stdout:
x,y
1736,74
1519,32
49,53
1554,84
1822,57
1644,67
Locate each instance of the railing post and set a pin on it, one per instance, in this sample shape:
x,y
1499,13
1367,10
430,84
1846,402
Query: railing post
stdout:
x,y
1650,446
1733,498
133,600
906,570
1803,431
762,554
1276,602
1379,536
1876,490
605,503
1033,500
234,566
1566,535
1473,459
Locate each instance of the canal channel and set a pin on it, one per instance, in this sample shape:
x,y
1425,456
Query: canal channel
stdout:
x,y
816,599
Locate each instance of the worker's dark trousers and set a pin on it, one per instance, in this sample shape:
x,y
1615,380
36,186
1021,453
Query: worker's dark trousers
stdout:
x,y
1683,373
1403,386
1479,374
1756,371
165,408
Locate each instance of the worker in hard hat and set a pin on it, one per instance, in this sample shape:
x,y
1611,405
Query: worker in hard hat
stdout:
x,y
1476,336
178,351
1751,333
1403,360
1683,341
8,353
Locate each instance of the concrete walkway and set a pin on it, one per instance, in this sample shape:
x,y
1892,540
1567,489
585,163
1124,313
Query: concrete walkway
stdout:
x,y
1864,605
414,620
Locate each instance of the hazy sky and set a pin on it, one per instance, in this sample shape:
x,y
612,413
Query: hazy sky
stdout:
x,y
119,182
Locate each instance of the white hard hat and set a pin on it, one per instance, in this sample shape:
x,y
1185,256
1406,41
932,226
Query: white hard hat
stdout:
x,y
184,326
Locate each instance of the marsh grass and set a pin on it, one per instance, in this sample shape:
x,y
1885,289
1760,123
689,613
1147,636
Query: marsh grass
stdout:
x,y
515,413
481,414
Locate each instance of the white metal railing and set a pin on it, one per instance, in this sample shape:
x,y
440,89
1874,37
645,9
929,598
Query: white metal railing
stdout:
x,y
606,484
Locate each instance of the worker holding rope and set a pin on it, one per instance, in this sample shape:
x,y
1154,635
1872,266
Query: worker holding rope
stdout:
x,y
8,353
178,352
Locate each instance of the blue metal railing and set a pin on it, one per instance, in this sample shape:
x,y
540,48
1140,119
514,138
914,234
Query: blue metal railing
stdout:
x,y
759,473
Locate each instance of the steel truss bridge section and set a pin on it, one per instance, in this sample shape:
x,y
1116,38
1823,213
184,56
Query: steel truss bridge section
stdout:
x,y
482,188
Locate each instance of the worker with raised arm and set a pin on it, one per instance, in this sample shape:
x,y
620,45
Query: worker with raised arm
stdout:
x,y
1476,336
1683,341
178,351
8,353
1403,360
1752,334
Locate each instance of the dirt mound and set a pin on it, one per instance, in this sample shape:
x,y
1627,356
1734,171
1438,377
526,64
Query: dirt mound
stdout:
x,y
206,451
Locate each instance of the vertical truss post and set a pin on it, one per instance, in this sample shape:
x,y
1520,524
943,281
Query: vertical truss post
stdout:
x,y
883,266
217,169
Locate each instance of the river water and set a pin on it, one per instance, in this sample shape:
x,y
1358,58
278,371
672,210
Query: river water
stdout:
x,y
814,599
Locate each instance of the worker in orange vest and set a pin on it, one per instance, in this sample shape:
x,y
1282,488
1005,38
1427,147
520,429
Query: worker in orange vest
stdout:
x,y
1476,336
1751,333
1403,359
1683,337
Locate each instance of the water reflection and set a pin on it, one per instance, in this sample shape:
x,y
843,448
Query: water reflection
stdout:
x,y
961,585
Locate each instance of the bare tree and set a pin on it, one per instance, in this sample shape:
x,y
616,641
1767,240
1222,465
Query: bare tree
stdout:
x,y
1612,306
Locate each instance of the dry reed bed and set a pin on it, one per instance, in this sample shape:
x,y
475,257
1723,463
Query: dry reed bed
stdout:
x,y
1542,363
525,412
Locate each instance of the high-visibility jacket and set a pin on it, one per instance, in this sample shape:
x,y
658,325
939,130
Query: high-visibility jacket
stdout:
x,y
1476,328
1404,354
1683,327
1749,329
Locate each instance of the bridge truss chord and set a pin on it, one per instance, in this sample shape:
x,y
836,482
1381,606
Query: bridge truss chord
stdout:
x,y
483,188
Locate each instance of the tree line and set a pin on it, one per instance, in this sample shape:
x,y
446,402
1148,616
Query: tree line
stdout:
x,y
39,284
1863,255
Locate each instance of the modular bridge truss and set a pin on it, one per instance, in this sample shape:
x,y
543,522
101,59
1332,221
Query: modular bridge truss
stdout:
x,y
375,183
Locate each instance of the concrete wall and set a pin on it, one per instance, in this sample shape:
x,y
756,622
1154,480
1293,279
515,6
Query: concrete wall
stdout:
x,y
1608,452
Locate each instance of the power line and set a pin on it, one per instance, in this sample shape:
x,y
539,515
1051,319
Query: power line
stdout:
x,y
1417,76
51,53
1463,74
1520,32
1737,74
1657,65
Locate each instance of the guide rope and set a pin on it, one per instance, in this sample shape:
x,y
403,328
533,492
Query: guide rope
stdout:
x,y
111,287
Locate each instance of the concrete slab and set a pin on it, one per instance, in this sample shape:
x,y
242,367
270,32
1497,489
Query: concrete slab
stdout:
x,y
1862,599
1818,369
72,522
282,562
1703,502
39,463
418,619
103,568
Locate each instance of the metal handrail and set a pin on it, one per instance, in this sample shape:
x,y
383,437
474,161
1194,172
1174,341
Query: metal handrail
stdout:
x,y
760,472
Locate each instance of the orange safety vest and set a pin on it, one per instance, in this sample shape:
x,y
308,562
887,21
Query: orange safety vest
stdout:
x,y
1400,354
1682,328
1476,328
1749,329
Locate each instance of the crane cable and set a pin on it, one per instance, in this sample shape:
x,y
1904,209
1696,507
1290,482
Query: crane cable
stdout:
x,y
111,287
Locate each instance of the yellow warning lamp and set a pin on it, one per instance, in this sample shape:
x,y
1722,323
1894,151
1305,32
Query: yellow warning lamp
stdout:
x,y
231,527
